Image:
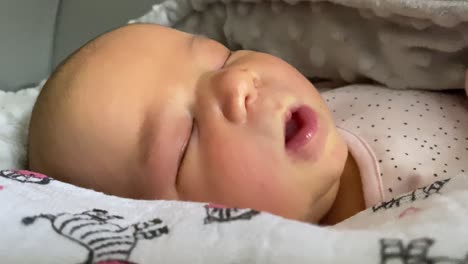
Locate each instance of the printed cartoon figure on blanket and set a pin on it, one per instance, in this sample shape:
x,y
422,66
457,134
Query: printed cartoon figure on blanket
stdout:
x,y
105,240
25,176
236,127
221,214
416,251
420,193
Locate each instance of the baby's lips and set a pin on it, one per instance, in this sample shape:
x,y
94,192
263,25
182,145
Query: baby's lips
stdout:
x,y
305,128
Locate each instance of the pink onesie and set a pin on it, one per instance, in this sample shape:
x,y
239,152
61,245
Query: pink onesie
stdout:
x,y
401,139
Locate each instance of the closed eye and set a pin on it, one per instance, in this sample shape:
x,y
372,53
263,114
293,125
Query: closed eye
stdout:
x,y
184,148
186,144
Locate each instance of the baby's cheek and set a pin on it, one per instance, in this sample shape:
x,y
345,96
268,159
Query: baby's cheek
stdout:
x,y
248,169
243,171
261,182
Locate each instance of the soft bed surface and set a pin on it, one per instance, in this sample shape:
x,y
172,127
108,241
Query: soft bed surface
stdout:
x,y
52,222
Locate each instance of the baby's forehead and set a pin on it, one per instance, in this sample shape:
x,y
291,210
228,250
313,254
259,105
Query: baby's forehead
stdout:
x,y
142,56
139,40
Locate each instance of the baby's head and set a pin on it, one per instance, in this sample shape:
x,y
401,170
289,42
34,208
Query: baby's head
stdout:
x,y
148,112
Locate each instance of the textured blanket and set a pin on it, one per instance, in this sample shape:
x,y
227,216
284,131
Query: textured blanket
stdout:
x,y
46,221
400,43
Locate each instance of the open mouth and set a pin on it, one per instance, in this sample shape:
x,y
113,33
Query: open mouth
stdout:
x,y
292,126
300,127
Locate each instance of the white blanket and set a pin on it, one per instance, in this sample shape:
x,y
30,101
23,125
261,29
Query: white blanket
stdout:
x,y
15,111
47,221
400,43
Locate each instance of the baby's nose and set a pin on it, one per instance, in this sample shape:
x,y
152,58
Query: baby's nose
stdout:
x,y
237,90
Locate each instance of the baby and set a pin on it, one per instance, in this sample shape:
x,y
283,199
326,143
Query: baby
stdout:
x,y
148,112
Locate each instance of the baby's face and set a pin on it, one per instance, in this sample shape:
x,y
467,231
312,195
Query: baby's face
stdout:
x,y
159,114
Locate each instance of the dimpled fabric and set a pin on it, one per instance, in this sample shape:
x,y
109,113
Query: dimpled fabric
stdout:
x,y
400,43
15,112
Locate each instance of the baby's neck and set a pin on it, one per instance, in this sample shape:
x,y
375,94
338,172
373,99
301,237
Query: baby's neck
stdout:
x,y
349,198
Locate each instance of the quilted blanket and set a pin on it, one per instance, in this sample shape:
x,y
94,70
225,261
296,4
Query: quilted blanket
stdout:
x,y
400,43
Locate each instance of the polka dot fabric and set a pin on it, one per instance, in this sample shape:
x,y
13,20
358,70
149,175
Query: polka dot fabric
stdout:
x,y
417,136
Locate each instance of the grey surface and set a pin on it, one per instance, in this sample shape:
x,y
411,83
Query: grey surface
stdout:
x,y
81,21
26,38
37,35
